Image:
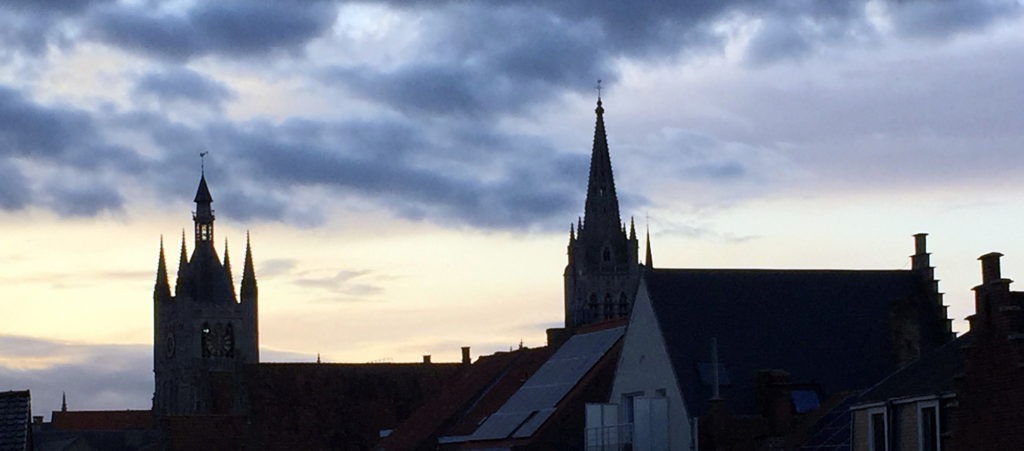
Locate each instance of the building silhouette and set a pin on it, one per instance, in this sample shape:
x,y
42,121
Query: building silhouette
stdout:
x,y
204,334
603,272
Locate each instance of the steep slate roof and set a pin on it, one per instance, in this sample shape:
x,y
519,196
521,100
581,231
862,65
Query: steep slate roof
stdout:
x,y
930,375
828,327
15,420
530,407
467,398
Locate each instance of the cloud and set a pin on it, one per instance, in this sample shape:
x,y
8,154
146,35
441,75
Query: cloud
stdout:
x,y
231,28
182,84
93,376
350,284
943,19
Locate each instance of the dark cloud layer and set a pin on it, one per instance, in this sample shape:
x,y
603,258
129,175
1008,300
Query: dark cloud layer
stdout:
x,y
231,28
439,152
183,84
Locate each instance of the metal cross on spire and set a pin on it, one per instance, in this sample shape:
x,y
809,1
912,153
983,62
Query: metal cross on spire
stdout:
x,y
202,161
598,88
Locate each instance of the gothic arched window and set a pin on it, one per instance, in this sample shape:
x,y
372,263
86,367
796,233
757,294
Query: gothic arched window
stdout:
x,y
206,341
609,308
228,342
623,305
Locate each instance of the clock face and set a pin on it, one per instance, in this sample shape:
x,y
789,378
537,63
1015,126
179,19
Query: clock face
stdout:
x,y
219,341
169,345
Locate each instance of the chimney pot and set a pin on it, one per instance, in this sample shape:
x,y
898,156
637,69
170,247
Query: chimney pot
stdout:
x,y
426,358
920,243
465,355
990,267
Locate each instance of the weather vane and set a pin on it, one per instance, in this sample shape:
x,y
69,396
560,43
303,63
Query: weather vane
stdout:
x,y
598,88
202,161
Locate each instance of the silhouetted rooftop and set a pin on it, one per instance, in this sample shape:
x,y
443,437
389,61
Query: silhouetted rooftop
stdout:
x,y
826,327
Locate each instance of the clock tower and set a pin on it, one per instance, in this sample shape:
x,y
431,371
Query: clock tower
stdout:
x,y
204,334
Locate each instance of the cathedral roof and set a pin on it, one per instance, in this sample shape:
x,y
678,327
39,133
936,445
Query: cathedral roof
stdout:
x,y
826,327
210,281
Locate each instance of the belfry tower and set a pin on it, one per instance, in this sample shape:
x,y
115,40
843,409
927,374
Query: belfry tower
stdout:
x,y
203,335
603,271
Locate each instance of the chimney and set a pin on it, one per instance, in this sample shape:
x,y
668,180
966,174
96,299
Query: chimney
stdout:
x,y
557,336
426,358
990,267
465,356
920,260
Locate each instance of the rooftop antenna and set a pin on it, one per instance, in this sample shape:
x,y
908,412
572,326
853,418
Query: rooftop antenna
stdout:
x,y
202,162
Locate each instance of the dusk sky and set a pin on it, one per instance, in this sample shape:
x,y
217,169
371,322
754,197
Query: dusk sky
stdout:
x,y
409,170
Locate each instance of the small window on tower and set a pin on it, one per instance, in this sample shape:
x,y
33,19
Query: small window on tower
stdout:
x,y
206,340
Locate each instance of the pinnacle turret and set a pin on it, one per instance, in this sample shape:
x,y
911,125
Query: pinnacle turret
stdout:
x,y
250,292
184,273
648,260
227,268
161,289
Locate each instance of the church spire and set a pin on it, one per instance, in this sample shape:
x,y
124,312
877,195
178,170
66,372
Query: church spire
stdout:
x,y
249,289
63,401
162,289
601,212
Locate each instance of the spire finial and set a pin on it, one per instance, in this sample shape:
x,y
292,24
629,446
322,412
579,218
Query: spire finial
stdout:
x,y
202,162
600,109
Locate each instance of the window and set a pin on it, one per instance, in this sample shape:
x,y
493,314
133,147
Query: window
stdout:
x,y
623,305
878,431
928,426
206,340
629,406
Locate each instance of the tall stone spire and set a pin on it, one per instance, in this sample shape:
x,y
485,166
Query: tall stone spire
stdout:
x,y
603,271
601,211
162,288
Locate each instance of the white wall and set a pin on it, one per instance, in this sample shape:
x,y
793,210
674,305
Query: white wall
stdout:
x,y
644,368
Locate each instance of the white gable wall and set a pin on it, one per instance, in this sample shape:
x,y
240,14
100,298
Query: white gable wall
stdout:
x,y
644,370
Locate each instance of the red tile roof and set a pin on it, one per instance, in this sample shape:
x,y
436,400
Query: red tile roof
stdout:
x,y
101,420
